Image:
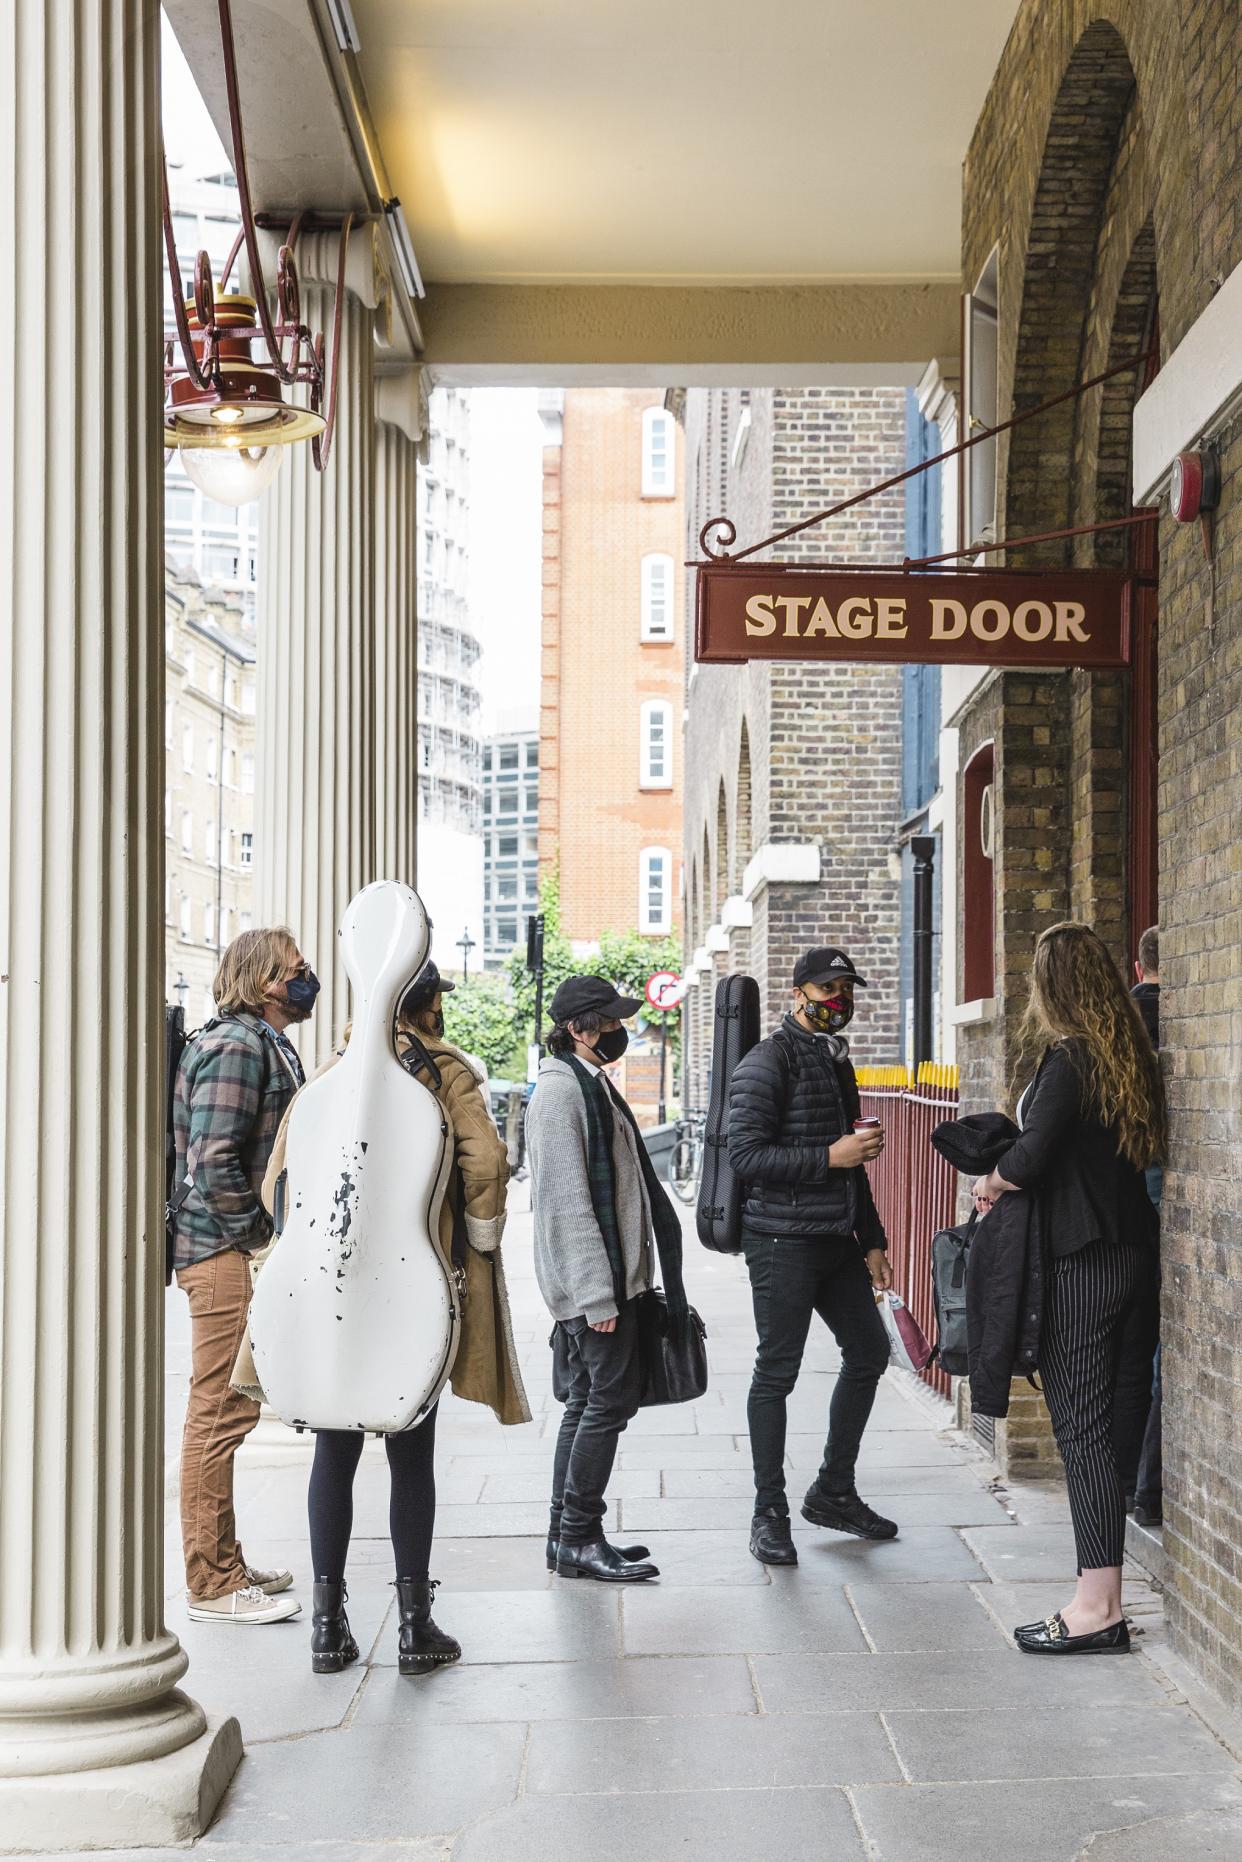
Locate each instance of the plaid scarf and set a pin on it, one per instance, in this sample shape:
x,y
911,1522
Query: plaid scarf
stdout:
x,y
601,1107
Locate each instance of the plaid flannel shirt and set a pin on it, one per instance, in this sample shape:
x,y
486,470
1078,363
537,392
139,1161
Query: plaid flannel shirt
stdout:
x,y
235,1081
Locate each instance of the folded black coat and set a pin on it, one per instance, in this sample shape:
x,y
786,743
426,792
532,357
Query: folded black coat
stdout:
x,y
1005,1277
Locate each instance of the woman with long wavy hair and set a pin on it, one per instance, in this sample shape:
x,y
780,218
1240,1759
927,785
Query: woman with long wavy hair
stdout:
x,y
1092,1119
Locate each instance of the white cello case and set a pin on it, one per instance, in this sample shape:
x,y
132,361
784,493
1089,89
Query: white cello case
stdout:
x,y
355,1319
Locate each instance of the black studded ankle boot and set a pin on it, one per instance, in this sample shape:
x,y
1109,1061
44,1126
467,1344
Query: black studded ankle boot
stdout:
x,y
421,1646
332,1642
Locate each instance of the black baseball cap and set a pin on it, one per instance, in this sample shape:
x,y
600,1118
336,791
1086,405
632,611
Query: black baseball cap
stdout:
x,y
591,995
824,965
427,985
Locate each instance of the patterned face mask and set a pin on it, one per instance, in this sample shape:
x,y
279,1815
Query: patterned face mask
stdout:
x,y
828,1017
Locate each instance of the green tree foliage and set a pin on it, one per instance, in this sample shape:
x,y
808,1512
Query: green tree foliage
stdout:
x,y
626,958
480,1017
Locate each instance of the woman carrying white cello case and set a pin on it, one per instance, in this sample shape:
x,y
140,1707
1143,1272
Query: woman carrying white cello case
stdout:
x,y
387,1185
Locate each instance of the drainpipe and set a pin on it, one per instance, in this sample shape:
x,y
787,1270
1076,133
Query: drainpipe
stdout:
x,y
923,849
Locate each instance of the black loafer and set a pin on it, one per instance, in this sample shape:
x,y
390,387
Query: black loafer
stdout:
x,y
1051,1637
771,1541
598,1559
845,1512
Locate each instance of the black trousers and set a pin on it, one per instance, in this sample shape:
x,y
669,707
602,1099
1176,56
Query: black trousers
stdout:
x,y
411,1503
1090,1300
791,1280
601,1376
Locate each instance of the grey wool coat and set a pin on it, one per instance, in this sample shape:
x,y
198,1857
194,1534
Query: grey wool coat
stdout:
x,y
571,1262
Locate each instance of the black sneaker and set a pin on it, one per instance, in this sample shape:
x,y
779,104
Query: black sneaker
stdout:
x,y
1148,1513
771,1541
845,1512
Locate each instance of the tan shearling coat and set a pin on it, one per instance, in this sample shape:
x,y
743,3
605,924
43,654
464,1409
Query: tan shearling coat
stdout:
x,y
486,1368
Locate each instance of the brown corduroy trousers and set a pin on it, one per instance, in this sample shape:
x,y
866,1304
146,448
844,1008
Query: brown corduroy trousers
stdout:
x,y
217,1421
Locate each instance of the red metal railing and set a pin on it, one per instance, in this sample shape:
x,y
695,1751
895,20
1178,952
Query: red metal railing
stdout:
x,y
915,1190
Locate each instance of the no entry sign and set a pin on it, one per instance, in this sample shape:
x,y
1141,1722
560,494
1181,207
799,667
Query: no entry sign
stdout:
x,y
987,617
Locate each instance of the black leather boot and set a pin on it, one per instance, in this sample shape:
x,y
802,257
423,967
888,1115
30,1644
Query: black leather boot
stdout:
x,y
332,1642
771,1541
421,1646
631,1553
598,1559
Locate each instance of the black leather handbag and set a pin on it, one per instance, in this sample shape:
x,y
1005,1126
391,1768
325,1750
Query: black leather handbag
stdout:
x,y
673,1357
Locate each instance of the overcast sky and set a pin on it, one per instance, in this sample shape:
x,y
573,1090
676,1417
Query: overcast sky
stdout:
x,y
189,138
506,465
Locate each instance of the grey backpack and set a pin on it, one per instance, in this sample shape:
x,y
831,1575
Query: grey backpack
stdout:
x,y
950,1252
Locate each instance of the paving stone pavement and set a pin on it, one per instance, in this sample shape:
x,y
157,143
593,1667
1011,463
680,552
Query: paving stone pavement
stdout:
x,y
868,1704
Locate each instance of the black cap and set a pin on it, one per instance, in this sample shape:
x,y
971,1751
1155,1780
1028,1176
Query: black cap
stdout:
x,y
591,995
825,965
427,985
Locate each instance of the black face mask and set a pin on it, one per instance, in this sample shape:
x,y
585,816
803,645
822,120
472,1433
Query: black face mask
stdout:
x,y
300,993
612,1045
828,1017
437,1024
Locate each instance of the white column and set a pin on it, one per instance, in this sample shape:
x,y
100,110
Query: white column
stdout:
x,y
97,1744
315,788
397,434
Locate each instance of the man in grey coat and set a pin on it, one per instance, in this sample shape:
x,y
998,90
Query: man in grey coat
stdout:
x,y
593,1257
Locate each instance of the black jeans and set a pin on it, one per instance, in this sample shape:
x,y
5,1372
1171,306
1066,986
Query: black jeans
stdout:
x,y
602,1377
411,1505
1136,1352
789,1281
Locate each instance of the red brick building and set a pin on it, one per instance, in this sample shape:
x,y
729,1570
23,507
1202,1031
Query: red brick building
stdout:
x,y
614,647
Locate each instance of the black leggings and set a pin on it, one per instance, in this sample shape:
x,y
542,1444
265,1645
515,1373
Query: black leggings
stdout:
x,y
411,1506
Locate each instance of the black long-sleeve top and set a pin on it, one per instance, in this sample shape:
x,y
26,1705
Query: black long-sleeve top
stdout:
x,y
1087,1191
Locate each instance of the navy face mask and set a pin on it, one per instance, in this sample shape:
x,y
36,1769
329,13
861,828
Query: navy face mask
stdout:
x,y
300,993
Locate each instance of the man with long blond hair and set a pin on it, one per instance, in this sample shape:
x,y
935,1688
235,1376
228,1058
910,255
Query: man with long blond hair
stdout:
x,y
235,1080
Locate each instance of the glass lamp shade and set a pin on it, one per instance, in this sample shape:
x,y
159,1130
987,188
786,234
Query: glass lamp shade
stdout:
x,y
231,474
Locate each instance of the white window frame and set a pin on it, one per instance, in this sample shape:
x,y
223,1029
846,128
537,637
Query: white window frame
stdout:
x,y
187,831
247,851
187,748
659,481
649,925
648,777
661,563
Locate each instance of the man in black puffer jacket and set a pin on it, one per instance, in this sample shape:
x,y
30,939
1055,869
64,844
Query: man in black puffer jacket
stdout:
x,y
813,1244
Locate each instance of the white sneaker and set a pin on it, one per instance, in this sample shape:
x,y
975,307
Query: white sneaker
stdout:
x,y
247,1605
273,1582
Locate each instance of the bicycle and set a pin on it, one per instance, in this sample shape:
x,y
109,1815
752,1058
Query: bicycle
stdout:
x,y
686,1164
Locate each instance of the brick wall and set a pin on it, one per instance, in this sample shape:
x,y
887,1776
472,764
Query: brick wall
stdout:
x,y
1107,163
821,761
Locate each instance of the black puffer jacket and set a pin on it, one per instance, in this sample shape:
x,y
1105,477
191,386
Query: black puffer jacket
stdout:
x,y
789,1100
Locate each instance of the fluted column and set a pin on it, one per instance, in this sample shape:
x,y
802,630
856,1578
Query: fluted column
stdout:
x,y
97,1743
396,626
315,742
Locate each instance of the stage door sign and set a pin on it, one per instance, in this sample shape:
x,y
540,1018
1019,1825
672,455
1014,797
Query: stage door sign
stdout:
x,y
989,617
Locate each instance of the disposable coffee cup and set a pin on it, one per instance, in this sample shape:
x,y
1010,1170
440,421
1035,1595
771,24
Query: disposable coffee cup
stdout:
x,y
867,1124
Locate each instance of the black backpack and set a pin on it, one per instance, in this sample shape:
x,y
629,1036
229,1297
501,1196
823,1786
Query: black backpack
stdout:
x,y
175,1040
718,1215
950,1252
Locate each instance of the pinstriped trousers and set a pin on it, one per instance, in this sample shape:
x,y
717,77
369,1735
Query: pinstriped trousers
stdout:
x,y
1089,1298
